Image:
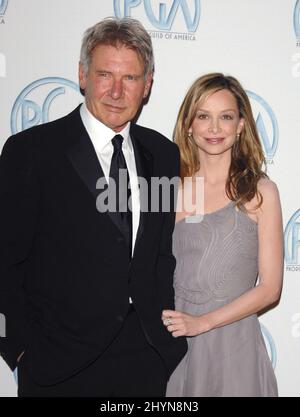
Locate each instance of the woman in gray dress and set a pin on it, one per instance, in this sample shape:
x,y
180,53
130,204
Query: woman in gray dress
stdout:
x,y
221,254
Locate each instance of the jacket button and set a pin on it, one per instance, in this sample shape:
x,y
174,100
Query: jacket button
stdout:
x,y
120,240
120,318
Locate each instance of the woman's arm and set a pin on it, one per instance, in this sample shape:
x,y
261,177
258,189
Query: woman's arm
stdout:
x,y
267,292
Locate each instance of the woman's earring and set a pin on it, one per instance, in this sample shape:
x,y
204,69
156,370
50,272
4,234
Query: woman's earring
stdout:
x,y
190,136
238,136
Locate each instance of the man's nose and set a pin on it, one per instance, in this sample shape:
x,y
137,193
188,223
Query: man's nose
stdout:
x,y
117,89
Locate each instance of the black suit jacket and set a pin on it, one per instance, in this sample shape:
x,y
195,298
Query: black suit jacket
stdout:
x,y
65,274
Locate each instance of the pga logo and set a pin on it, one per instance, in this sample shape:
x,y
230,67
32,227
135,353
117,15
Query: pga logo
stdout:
x,y
3,6
43,100
270,344
297,19
162,15
266,123
292,241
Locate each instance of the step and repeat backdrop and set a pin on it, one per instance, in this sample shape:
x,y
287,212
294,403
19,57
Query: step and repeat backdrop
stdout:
x,y
256,41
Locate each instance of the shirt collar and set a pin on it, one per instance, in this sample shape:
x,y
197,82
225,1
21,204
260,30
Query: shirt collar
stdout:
x,y
100,134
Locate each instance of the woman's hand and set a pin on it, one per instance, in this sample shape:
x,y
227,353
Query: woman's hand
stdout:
x,y
182,324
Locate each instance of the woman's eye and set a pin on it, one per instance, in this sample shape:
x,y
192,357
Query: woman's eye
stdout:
x,y
227,117
202,116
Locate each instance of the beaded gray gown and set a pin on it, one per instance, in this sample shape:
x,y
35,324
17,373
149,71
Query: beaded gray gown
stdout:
x,y
217,261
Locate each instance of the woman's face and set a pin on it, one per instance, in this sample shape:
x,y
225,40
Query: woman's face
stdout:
x,y
217,123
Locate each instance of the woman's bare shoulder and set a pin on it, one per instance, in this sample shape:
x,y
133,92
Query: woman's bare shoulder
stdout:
x,y
268,190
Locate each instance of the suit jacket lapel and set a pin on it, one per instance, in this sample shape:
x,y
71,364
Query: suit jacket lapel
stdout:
x,y
144,167
83,157
85,161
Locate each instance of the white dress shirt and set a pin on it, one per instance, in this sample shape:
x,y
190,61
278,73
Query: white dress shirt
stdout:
x,y
101,137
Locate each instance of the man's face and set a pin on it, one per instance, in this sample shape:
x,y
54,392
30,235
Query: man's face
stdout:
x,y
114,85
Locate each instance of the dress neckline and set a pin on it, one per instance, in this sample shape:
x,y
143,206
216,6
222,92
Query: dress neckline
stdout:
x,y
200,217
230,203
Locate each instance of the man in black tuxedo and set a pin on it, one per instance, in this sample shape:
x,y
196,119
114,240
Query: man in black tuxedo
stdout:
x,y
83,289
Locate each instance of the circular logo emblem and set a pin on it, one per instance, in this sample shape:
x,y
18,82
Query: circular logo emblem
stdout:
x,y
270,345
266,124
43,100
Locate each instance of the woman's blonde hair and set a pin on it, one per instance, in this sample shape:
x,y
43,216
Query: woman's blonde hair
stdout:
x,y
247,162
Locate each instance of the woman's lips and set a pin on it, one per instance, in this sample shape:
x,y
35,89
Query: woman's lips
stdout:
x,y
214,141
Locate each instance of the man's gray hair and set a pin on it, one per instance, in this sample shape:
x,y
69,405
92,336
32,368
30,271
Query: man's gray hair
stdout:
x,y
110,31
